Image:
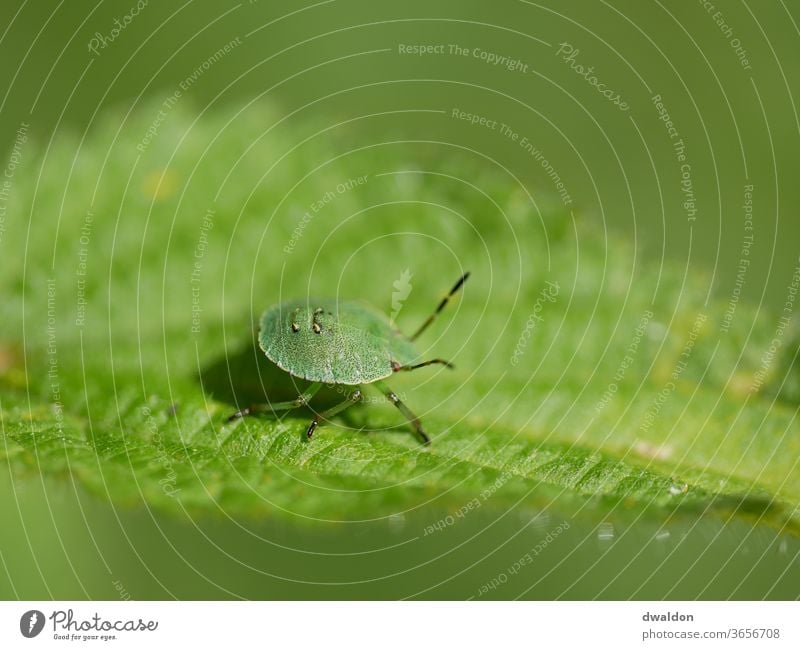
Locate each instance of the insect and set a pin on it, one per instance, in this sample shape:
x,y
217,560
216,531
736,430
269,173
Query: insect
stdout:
x,y
346,344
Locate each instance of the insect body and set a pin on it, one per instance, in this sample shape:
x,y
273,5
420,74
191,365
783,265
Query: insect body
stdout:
x,y
339,343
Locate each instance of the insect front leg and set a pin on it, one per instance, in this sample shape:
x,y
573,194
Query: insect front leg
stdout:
x,y
299,402
396,367
353,398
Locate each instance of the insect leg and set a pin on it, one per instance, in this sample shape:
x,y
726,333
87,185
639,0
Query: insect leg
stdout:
x,y
413,419
301,400
441,306
354,397
397,367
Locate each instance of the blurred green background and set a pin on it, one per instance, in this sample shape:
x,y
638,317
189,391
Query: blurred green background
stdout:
x,y
327,62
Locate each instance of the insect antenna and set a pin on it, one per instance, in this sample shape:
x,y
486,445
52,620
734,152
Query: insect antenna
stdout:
x,y
441,306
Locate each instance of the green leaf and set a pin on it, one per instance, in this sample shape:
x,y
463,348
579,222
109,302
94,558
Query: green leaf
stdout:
x,y
583,372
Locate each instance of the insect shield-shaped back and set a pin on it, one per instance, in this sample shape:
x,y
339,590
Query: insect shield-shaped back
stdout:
x,y
332,342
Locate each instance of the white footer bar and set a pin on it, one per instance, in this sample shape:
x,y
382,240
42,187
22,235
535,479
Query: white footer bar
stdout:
x,y
401,625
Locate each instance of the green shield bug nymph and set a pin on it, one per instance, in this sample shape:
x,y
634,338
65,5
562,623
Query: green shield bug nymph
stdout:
x,y
342,344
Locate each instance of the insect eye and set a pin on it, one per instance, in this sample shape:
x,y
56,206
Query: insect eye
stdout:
x,y
295,327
